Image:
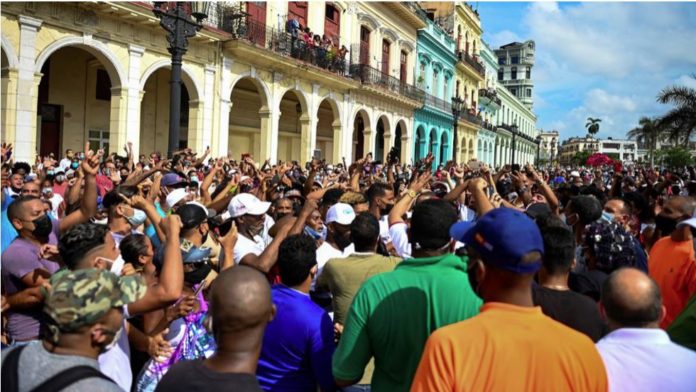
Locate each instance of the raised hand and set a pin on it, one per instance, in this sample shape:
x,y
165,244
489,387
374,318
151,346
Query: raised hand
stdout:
x,y
171,226
90,165
229,240
420,182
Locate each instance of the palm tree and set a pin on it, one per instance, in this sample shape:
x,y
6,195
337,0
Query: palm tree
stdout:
x,y
648,132
593,125
681,120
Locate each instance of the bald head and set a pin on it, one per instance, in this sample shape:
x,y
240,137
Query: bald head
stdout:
x,y
240,300
631,299
681,205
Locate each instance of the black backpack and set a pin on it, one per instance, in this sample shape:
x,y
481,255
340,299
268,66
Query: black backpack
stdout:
x,y
62,380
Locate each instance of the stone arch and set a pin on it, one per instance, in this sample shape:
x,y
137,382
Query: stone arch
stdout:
x,y
99,50
250,122
389,34
382,137
261,87
301,96
337,109
329,135
401,138
9,52
187,78
361,133
368,21
420,147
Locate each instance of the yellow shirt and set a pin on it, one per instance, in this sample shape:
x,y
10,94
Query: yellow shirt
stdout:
x,y
509,348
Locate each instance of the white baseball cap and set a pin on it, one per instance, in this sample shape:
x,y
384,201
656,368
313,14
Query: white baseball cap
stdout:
x,y
689,222
340,213
176,196
574,173
246,203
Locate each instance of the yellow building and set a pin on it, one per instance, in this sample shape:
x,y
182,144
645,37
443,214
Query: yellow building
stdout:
x,y
464,26
99,72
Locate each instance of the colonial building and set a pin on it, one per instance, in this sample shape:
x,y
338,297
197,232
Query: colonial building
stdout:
x,y
548,149
99,72
574,145
618,149
516,61
435,74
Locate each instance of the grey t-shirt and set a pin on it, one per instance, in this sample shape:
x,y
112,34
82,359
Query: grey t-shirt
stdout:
x,y
37,365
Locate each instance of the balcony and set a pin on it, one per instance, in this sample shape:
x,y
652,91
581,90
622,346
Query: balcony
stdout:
x,y
473,62
488,126
467,116
489,98
439,103
367,75
324,55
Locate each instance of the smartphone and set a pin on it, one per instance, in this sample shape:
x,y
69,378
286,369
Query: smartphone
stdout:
x,y
489,192
515,168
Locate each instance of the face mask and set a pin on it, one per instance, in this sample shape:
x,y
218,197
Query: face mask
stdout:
x,y
117,265
74,165
42,226
386,209
60,178
114,342
46,191
312,233
100,221
50,172
194,179
607,216
196,276
665,224
138,217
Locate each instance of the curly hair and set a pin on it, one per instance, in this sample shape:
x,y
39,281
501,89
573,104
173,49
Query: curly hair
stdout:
x,y
610,245
78,240
353,198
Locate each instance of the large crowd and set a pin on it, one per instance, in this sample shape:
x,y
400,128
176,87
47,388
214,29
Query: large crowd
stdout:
x,y
194,273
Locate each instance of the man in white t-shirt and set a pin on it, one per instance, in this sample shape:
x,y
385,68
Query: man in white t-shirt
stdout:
x,y
55,199
254,246
381,199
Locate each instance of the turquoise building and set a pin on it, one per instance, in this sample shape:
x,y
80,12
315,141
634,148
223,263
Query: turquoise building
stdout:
x,y
435,74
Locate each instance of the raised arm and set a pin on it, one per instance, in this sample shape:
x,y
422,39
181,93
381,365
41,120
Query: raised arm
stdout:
x,y
402,206
88,206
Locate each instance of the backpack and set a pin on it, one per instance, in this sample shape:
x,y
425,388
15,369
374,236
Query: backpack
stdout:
x,y
62,380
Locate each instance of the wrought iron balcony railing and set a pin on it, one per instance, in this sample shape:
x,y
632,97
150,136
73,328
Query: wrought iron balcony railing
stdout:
x,y
372,76
467,116
433,101
473,62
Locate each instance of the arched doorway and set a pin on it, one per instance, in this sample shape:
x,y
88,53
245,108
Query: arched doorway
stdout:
x,y
245,119
420,144
444,148
74,102
360,123
401,140
434,146
471,149
381,142
328,131
293,128
154,113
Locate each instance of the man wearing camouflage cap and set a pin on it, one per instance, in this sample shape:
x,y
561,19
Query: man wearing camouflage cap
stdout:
x,y
83,318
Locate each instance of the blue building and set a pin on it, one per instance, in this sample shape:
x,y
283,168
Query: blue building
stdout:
x,y
435,74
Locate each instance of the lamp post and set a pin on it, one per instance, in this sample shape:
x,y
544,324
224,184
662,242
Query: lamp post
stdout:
x,y
538,142
514,142
457,104
180,27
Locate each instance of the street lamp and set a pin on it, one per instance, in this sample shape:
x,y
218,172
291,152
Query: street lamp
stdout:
x,y
514,144
178,23
457,104
538,142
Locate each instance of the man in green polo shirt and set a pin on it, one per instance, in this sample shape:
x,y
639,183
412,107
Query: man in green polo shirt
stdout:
x,y
393,313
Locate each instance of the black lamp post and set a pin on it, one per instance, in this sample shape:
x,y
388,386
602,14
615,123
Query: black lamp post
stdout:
x,y
457,104
180,27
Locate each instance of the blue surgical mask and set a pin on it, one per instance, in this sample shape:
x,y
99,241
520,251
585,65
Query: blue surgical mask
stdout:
x,y
316,235
607,216
138,217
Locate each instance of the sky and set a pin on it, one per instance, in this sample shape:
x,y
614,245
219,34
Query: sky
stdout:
x,y
598,59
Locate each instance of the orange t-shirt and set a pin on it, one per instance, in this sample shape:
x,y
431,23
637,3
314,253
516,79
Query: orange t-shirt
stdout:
x,y
673,266
509,348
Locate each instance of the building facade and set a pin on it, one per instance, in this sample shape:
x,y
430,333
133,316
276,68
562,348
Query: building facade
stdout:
x,y
548,149
624,150
574,145
490,104
99,73
435,75
516,61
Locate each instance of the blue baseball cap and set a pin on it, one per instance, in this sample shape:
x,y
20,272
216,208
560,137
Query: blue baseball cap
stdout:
x,y
503,237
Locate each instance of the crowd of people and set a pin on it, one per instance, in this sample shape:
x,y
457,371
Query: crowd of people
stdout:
x,y
142,273
323,50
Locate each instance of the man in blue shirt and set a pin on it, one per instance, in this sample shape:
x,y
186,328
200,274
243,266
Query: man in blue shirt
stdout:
x,y
299,343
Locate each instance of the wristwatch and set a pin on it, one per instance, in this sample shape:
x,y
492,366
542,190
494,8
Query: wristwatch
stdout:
x,y
412,193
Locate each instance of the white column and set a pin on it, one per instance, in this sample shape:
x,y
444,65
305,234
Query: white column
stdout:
x,y
135,95
222,136
314,118
208,103
27,90
275,124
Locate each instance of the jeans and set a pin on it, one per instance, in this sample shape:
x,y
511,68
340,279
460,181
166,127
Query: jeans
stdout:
x,y
358,388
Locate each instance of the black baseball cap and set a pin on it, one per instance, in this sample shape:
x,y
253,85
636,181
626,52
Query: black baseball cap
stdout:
x,y
193,214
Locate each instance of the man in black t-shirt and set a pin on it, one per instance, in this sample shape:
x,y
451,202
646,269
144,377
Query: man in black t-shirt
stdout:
x,y
240,305
557,301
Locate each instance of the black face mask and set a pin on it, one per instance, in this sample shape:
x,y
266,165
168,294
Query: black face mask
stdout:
x,y
386,210
42,226
665,224
196,276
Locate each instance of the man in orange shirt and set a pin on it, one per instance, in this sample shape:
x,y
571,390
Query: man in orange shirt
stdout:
x,y
672,262
510,345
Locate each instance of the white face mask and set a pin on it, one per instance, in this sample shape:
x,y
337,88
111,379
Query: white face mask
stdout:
x,y
117,265
104,221
114,342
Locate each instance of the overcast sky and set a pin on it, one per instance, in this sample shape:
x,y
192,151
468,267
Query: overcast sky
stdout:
x,y
603,60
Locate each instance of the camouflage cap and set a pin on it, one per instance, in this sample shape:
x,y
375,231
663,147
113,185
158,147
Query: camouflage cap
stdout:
x,y
80,298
